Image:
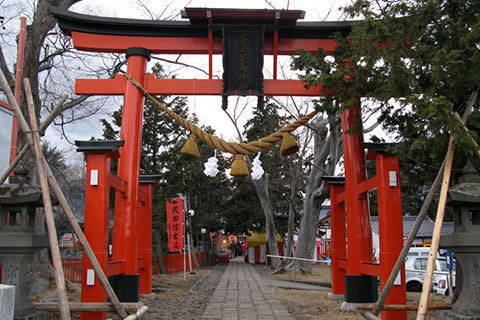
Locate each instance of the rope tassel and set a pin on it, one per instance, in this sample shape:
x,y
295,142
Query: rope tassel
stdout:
x,y
239,167
289,145
190,147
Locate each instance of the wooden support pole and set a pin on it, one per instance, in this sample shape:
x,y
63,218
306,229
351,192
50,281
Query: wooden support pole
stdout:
x,y
24,149
15,162
72,221
53,114
427,282
13,103
403,307
47,204
137,315
64,204
465,129
88,306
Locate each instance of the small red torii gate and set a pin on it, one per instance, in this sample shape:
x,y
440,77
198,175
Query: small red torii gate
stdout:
x,y
346,225
283,36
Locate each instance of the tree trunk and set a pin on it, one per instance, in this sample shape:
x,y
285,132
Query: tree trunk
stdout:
x,y
308,231
295,176
36,33
192,247
316,192
261,186
192,250
159,252
291,227
198,247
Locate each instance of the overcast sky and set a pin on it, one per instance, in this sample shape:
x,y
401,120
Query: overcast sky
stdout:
x,y
207,108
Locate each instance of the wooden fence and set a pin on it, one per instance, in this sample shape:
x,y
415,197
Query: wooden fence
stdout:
x,y
72,268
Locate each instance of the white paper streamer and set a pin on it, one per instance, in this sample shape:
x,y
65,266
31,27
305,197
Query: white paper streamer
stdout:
x,y
257,170
211,166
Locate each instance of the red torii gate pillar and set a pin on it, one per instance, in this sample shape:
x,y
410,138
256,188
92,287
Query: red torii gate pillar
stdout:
x,y
97,195
390,223
144,223
124,242
338,242
358,287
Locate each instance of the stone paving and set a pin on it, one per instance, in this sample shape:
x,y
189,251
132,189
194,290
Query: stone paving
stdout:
x,y
242,294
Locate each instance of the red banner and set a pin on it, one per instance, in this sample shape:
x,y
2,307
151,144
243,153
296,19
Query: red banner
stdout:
x,y
175,224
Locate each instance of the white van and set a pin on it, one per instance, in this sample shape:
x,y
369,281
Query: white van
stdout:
x,y
419,251
415,266
412,252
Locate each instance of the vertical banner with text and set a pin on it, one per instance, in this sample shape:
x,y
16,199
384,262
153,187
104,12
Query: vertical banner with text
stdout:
x,y
175,224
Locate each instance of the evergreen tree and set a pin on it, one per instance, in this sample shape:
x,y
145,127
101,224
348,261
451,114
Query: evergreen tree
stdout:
x,y
419,61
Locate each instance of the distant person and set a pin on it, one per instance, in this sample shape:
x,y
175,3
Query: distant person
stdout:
x,y
231,246
238,249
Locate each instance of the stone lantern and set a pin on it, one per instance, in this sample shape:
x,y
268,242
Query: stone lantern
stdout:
x,y
464,242
19,242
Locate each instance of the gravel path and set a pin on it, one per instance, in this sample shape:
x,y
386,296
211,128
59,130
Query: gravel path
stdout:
x,y
188,306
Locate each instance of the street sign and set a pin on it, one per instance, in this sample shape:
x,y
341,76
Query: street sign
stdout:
x,y
448,255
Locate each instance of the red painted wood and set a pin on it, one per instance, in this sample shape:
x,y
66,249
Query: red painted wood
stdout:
x,y
174,262
367,185
72,268
338,239
144,227
188,45
359,232
18,87
190,87
391,231
96,229
125,221
370,268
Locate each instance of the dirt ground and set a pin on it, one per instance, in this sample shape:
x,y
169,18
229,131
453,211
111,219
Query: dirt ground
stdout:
x,y
177,299
173,297
184,300
315,305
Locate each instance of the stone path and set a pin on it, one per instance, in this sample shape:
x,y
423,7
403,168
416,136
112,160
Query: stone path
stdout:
x,y
242,294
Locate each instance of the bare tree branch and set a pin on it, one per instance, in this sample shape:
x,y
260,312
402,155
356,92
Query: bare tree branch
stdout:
x,y
181,63
5,70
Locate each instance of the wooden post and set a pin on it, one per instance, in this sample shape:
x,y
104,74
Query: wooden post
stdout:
x,y
64,204
137,315
47,204
24,149
14,163
402,307
450,282
465,129
427,282
87,306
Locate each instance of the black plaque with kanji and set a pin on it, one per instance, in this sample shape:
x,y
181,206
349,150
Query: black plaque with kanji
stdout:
x,y
243,60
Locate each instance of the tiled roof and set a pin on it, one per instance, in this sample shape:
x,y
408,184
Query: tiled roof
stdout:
x,y
425,231
324,213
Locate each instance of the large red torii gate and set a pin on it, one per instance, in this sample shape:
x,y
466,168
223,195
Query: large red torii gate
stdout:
x,y
201,35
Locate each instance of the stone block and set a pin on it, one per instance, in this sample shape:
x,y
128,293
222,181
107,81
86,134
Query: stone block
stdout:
x,y
7,301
